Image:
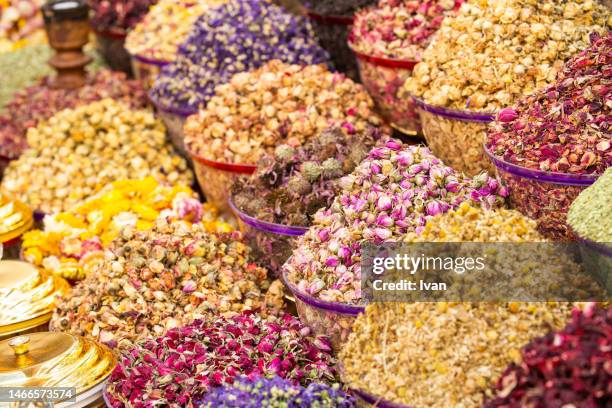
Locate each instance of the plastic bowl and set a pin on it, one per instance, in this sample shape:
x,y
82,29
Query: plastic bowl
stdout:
x,y
216,178
146,69
367,400
174,120
112,48
542,196
333,32
383,78
597,259
332,319
272,243
456,137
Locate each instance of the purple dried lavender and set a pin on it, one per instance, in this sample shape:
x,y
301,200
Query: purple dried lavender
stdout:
x,y
568,368
293,183
239,36
563,128
276,392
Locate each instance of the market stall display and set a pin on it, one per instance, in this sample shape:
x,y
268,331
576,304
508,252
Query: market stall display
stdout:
x,y
486,58
103,141
553,144
567,366
256,111
452,352
20,24
276,204
388,41
394,191
57,361
154,41
111,20
15,219
27,297
239,36
153,280
212,352
39,102
72,243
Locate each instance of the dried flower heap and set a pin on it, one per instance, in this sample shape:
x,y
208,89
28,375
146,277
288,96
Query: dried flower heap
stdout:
x,y
165,277
118,16
238,36
72,243
493,53
276,104
178,369
392,192
590,215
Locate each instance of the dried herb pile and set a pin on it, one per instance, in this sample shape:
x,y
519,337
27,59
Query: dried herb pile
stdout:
x,y
493,53
565,127
293,183
238,36
569,367
392,192
164,277
39,102
276,104
178,369
100,143
276,392
441,354
590,215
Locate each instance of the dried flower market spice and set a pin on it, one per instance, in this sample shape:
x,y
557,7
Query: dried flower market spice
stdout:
x,y
492,53
392,192
565,127
275,392
239,36
117,16
399,29
165,277
569,367
290,185
590,215
166,25
72,242
39,102
99,143
441,354
276,104
181,367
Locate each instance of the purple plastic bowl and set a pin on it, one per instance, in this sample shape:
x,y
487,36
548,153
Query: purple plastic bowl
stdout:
x,y
544,176
270,227
150,61
604,248
464,115
334,307
377,402
184,112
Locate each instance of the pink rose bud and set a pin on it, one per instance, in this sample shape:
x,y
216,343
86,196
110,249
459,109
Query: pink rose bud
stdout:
x,y
405,159
507,115
384,221
394,144
323,235
332,262
434,208
382,234
384,203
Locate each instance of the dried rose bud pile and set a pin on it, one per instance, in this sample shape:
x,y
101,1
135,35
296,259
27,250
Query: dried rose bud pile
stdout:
x,y
590,215
117,16
180,368
450,352
275,392
97,143
492,53
39,102
165,27
276,104
399,29
239,36
565,127
293,183
72,242
392,192
569,367
154,280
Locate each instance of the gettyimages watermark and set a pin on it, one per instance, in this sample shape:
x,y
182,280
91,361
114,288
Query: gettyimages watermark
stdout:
x,y
483,272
